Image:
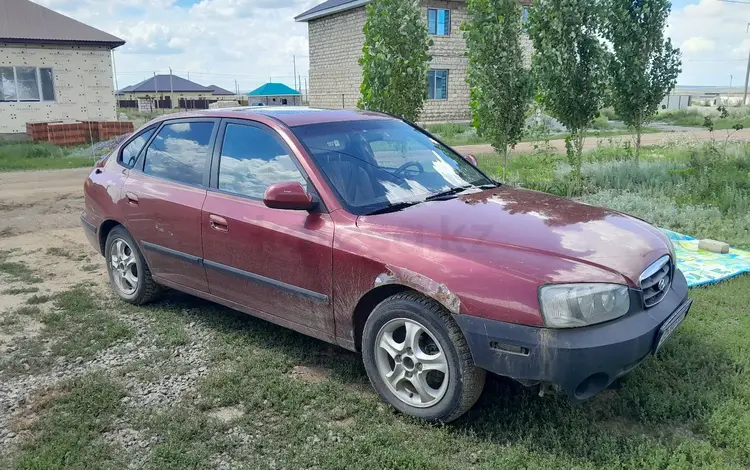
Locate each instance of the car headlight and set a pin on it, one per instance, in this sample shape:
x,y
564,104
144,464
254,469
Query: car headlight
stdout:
x,y
572,305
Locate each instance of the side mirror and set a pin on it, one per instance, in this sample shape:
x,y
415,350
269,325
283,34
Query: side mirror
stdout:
x,y
471,159
290,195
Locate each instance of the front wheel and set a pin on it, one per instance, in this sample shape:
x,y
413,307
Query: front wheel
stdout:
x,y
418,360
128,272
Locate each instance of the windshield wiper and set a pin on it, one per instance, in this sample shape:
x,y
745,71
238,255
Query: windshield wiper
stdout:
x,y
450,192
394,207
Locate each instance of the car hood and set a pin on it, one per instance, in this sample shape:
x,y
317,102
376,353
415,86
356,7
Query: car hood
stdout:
x,y
535,226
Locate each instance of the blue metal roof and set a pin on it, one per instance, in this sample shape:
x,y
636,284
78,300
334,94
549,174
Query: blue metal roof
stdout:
x,y
274,89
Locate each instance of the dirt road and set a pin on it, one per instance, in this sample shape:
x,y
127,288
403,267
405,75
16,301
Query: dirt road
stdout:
x,y
40,200
592,142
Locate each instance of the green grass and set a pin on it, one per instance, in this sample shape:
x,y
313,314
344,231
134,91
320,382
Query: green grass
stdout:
x,y
71,420
38,299
695,117
18,272
693,189
20,290
78,327
455,134
18,156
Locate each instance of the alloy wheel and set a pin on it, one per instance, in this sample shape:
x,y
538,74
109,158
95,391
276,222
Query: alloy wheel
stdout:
x,y
411,362
124,268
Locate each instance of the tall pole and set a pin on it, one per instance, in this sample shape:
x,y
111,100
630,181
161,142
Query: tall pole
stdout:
x,y
294,60
747,73
237,89
307,97
117,89
156,92
171,89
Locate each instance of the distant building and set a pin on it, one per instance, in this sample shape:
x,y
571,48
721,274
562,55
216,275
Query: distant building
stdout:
x,y
274,94
172,91
336,38
52,68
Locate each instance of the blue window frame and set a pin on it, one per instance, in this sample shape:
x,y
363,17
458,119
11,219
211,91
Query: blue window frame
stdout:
x,y
437,85
439,21
525,20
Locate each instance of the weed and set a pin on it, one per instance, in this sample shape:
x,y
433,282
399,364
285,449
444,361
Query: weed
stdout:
x,y
20,290
19,272
38,299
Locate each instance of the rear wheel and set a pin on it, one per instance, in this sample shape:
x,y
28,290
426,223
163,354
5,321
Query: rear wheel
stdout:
x,y
417,359
128,273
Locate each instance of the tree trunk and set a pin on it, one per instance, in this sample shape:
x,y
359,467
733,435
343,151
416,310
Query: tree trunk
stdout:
x,y
638,132
505,161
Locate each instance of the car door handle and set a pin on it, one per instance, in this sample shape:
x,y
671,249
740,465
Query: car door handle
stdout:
x,y
218,223
132,199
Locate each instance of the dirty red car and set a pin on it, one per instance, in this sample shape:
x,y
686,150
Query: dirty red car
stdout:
x,y
365,231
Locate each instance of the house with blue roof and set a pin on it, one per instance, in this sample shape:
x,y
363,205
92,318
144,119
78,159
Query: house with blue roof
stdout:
x,y
274,94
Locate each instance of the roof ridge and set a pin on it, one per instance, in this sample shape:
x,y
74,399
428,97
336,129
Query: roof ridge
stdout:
x,y
26,21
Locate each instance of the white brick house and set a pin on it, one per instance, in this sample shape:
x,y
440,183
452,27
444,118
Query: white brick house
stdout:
x,y
52,68
336,40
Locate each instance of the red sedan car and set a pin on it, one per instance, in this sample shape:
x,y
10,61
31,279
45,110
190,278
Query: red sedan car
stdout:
x,y
365,231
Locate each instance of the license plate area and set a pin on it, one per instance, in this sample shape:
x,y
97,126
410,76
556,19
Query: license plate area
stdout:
x,y
671,324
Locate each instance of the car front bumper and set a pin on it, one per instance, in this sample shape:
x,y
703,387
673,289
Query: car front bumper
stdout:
x,y
580,361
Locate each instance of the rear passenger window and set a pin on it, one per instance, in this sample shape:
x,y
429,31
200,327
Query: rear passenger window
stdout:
x,y
252,159
180,152
130,152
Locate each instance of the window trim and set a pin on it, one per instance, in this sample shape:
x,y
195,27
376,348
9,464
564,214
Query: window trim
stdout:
x,y
437,16
38,74
155,127
140,164
447,75
213,185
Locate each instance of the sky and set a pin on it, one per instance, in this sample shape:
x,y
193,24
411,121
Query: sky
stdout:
x,y
254,41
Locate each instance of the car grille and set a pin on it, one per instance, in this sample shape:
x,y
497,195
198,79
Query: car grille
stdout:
x,y
655,281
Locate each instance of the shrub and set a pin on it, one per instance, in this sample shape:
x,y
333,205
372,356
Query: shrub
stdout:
x,y
658,209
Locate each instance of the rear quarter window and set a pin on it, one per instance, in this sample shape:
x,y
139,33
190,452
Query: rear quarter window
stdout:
x,y
180,152
130,152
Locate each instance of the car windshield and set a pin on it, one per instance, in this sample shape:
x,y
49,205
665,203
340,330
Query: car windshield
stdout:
x,y
376,164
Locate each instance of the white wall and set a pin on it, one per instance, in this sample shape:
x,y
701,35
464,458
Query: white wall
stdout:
x,y
84,87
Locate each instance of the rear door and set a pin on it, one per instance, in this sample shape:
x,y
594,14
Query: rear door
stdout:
x,y
270,260
163,197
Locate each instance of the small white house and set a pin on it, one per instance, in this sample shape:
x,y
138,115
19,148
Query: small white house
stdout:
x,y
52,68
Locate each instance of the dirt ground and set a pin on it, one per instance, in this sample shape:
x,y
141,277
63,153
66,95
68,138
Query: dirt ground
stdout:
x,y
40,226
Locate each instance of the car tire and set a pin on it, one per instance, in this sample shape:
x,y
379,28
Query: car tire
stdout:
x,y
421,389
128,272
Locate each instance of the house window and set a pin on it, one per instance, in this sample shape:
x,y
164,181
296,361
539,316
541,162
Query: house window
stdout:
x,y
437,85
525,19
26,84
439,21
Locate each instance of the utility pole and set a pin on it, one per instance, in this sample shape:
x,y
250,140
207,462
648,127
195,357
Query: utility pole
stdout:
x,y
294,61
237,89
747,73
156,92
171,90
307,97
730,82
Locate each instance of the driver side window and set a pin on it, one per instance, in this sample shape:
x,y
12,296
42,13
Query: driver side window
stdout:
x,y
130,152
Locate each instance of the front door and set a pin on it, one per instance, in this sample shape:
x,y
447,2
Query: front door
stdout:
x,y
271,260
163,197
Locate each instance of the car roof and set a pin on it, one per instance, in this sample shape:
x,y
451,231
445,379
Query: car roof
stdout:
x,y
291,116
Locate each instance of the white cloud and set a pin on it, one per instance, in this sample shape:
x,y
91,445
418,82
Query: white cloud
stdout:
x,y
696,45
713,39
219,41
215,41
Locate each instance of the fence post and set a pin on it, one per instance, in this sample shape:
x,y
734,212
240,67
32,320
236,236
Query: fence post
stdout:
x,y
342,101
